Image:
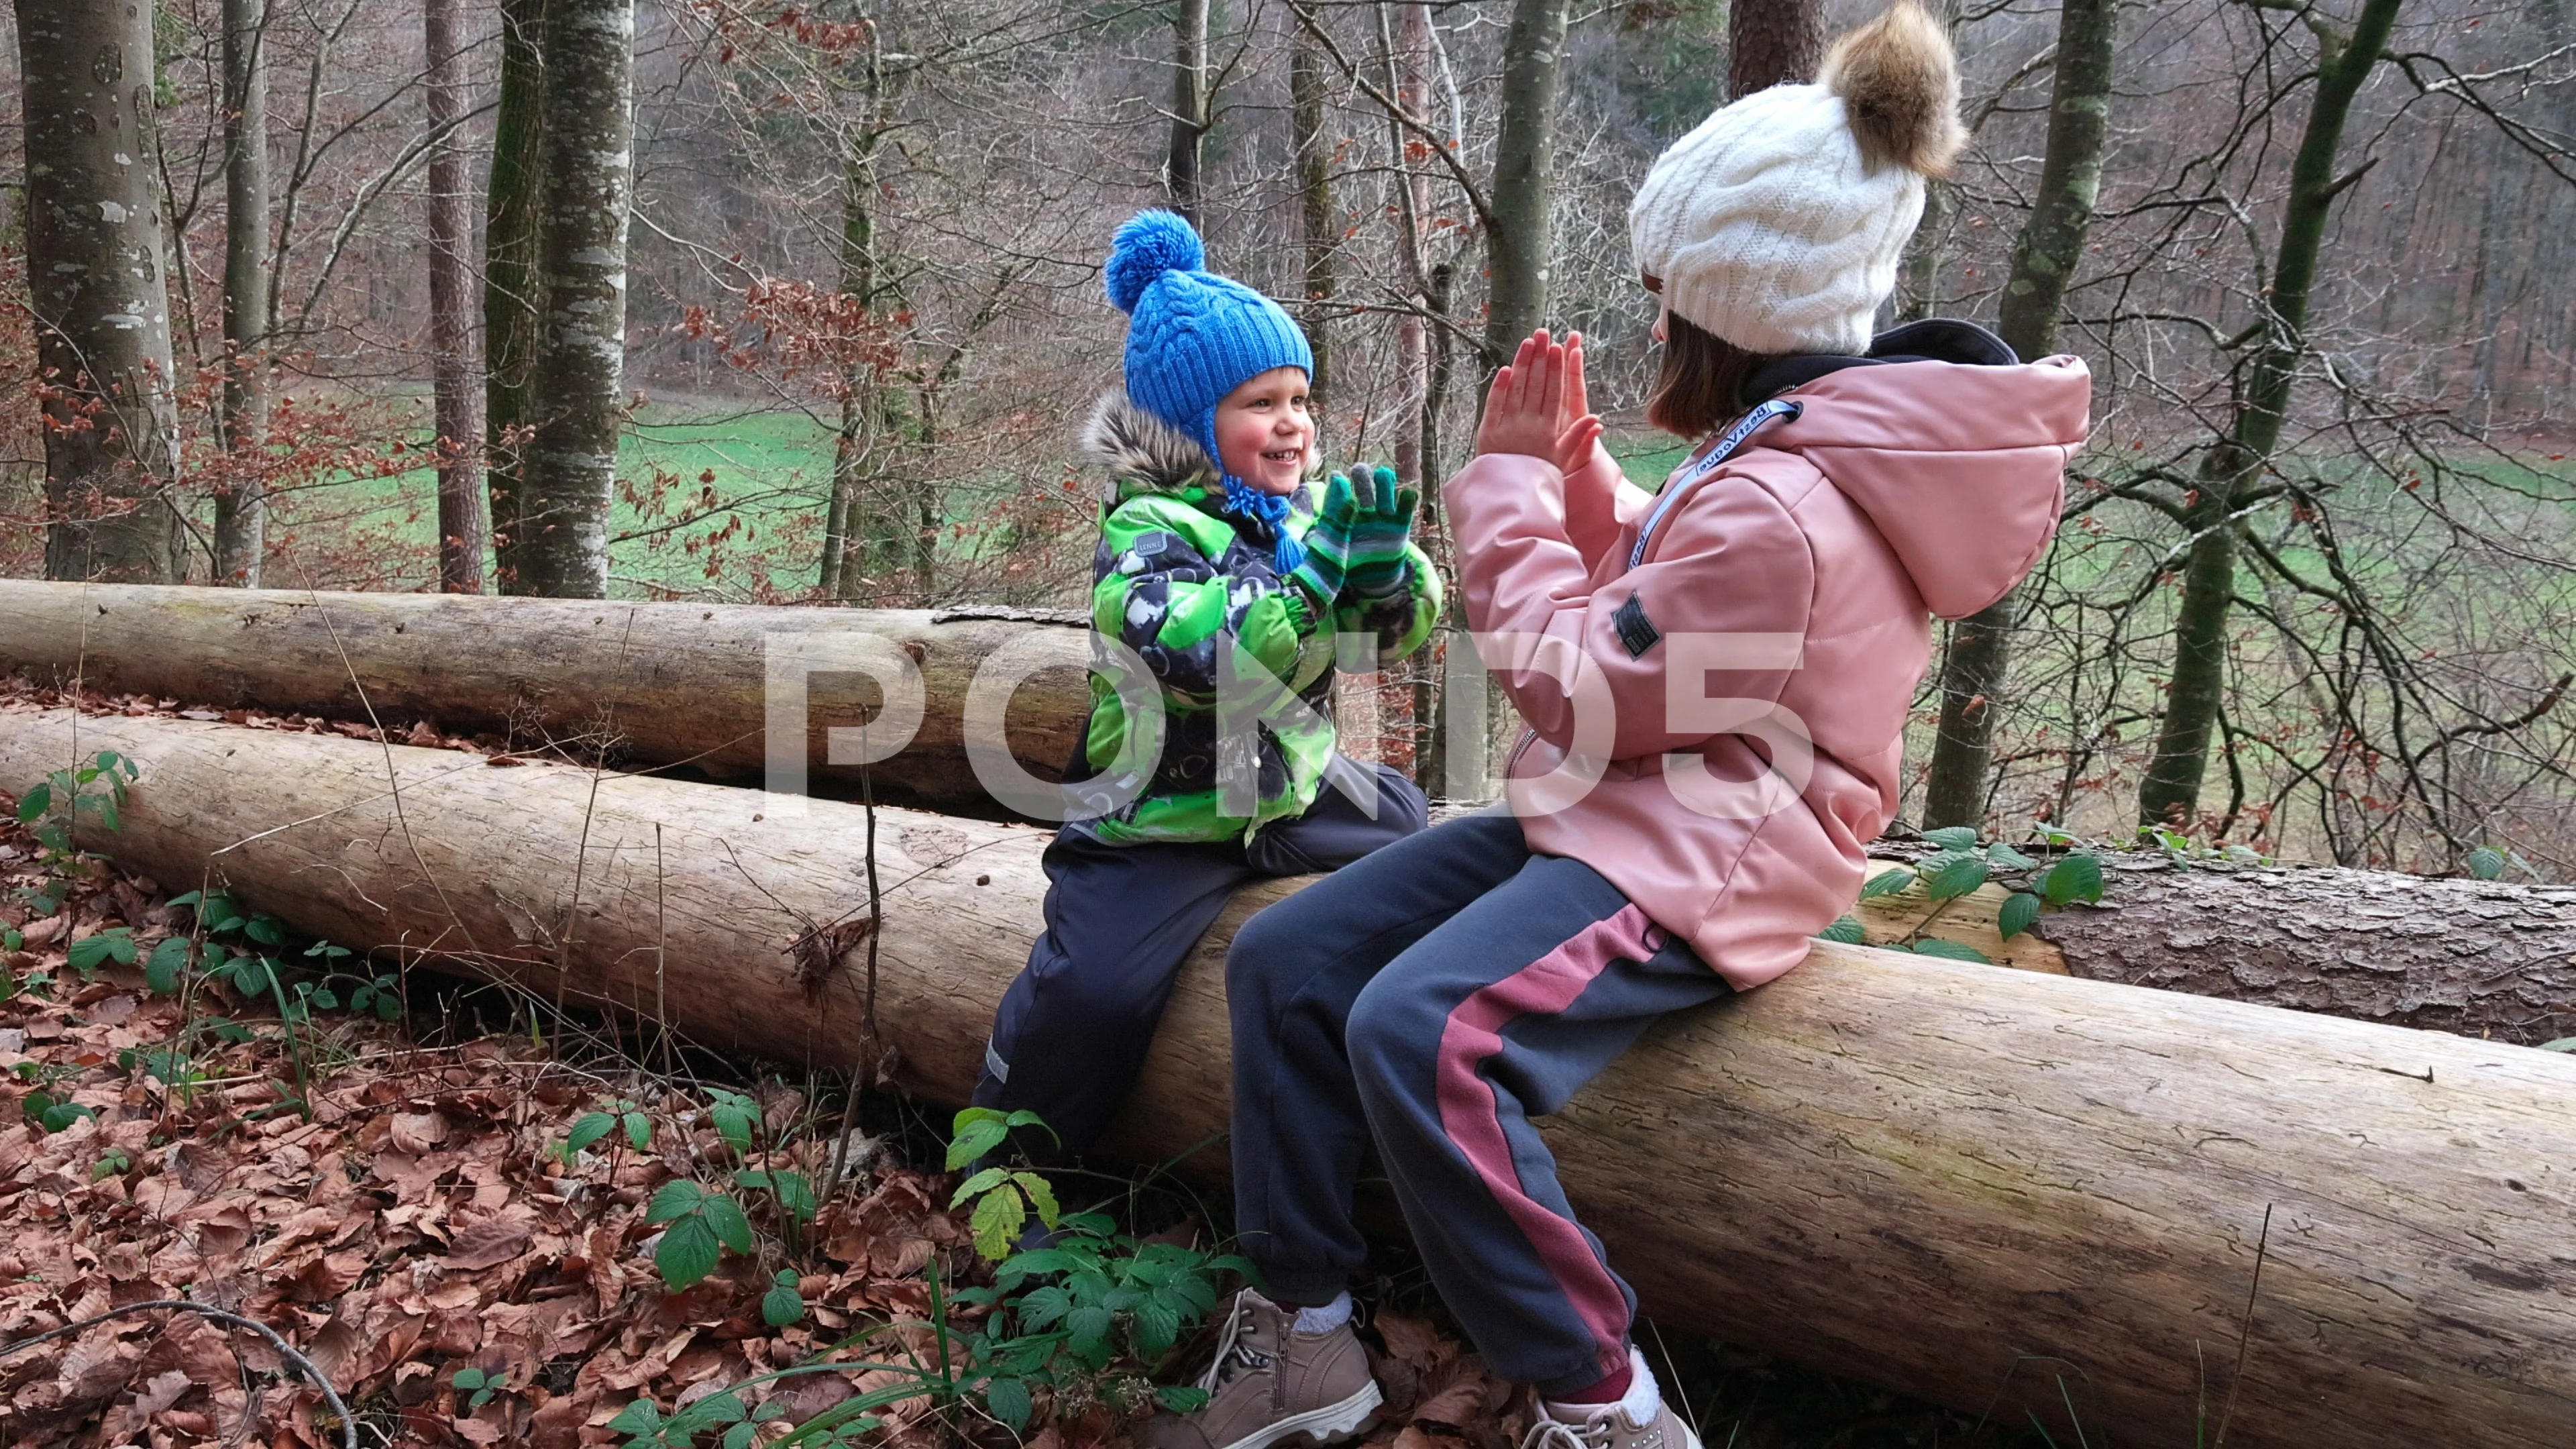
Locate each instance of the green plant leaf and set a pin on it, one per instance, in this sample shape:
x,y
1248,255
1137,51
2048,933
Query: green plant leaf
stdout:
x,y
724,1215
265,930
2004,857
32,805
1886,883
974,1139
741,1435
734,1116
795,1192
1041,1196
687,1253
675,1198
2078,877
1009,1401
977,1185
1953,837
589,1129
1846,930
639,1130
217,912
1181,1398
996,1222
1950,951
2563,1044
93,951
639,1417
468,1378
2486,863
2020,911
167,965
1952,874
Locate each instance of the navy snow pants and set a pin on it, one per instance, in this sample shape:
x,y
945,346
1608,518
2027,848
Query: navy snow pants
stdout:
x,y
1434,1000
1071,1032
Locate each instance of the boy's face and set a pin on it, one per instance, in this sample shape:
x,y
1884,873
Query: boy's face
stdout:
x,y
1263,433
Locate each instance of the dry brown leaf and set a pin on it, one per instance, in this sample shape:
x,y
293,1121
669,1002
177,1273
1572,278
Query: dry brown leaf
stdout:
x,y
416,1133
488,1243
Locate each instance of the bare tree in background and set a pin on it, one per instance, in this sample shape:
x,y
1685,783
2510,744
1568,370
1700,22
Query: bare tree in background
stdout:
x,y
850,521
240,505
1190,106
512,279
1516,237
2234,470
1771,43
457,400
569,475
1314,152
102,310
1974,668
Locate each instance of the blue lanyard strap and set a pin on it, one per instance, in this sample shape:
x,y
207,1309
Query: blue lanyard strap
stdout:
x,y
1778,407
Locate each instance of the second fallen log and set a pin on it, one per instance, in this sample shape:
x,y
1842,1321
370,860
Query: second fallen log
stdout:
x,y
1915,1172
697,685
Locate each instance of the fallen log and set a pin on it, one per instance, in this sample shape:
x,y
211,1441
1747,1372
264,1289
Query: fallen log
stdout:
x,y
655,684
2489,959
666,683
1915,1172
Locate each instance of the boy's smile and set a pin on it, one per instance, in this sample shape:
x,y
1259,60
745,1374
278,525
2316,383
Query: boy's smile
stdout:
x,y
1264,435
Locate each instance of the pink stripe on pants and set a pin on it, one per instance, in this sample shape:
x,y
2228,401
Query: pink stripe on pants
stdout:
x,y
1471,1115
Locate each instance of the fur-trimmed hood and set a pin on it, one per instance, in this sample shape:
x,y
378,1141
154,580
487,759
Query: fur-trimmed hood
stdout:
x,y
1138,447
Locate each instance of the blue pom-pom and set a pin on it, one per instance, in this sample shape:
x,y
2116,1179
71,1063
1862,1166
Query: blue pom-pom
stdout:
x,y
1150,244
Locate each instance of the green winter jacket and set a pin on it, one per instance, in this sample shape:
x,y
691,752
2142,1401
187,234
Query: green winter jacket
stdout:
x,y
1173,575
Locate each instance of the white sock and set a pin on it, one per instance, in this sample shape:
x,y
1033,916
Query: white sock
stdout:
x,y
1640,1403
1327,1318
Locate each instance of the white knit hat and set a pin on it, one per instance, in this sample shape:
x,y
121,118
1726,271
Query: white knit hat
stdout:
x,y
1778,223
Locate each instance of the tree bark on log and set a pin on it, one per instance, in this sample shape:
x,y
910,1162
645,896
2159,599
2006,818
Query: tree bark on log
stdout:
x,y
683,683
1917,1172
652,683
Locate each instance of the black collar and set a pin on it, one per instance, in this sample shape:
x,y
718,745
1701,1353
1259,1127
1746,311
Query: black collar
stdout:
x,y
1934,339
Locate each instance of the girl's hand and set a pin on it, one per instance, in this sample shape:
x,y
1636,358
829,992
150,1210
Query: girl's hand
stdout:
x,y
1532,409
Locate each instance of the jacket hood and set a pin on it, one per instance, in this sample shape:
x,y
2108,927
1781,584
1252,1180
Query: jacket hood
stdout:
x,y
1138,447
1961,466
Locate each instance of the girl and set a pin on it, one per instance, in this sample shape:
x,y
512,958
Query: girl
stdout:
x,y
1716,682
1217,569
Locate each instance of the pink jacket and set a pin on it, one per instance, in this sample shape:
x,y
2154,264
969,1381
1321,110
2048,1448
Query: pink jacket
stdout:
x,y
1818,548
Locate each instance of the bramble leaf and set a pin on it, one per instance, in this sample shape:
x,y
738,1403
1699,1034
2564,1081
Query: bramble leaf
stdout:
x,y
2020,911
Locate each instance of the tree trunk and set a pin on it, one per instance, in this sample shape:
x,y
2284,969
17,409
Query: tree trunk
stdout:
x,y
241,504
1772,43
2170,792
1917,1172
1975,667
95,255
463,532
659,684
848,519
1190,102
1524,175
569,479
1314,147
513,281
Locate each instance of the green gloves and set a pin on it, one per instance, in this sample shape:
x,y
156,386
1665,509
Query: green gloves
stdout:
x,y
1357,543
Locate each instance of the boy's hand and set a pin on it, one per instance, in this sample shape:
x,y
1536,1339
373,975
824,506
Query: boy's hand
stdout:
x,y
1379,529
1532,410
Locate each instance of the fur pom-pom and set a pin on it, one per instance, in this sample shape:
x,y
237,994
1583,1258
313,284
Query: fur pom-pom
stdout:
x,y
1899,78
1150,244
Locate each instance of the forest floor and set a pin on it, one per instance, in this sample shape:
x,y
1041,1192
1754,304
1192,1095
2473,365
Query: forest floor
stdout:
x,y
462,1223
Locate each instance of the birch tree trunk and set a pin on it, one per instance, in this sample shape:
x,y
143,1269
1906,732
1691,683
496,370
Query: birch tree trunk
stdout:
x,y
1189,106
2170,793
512,276
1524,173
1771,43
241,505
100,300
463,531
570,475
1975,666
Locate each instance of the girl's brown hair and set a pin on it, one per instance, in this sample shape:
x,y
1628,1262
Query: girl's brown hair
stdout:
x,y
1701,381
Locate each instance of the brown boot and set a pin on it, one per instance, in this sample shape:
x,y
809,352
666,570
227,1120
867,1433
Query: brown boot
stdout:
x,y
1273,1385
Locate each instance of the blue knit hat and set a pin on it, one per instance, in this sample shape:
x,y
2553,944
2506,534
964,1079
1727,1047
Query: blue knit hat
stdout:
x,y
1193,337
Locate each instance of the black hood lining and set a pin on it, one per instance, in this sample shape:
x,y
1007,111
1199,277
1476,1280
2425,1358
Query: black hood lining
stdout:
x,y
1934,339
